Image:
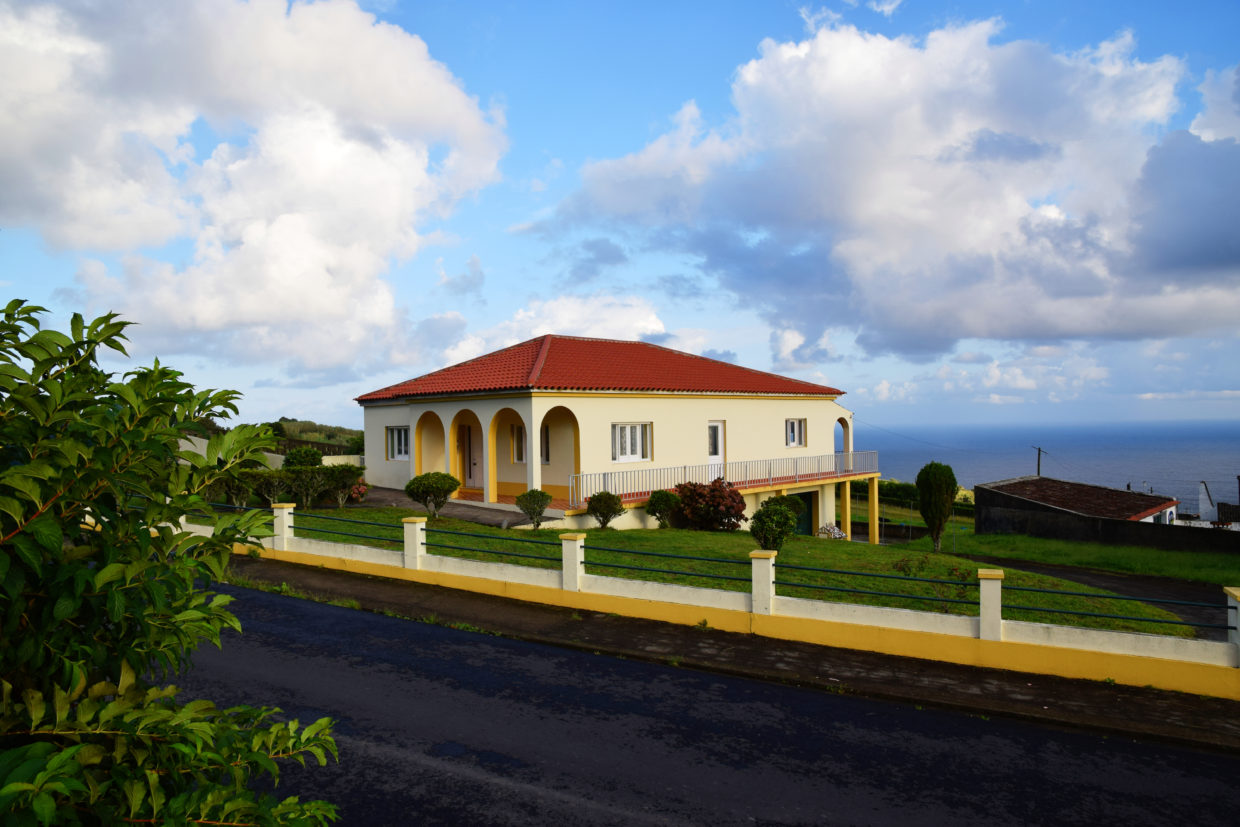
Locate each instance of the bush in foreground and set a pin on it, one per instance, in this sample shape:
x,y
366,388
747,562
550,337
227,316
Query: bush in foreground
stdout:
x,y
714,507
605,507
773,523
533,504
104,597
432,490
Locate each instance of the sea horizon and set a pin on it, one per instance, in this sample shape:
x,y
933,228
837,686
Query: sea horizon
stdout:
x,y
1170,458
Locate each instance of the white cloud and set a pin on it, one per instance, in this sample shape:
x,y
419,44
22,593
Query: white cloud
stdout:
x,y
601,315
1220,115
884,7
341,136
922,192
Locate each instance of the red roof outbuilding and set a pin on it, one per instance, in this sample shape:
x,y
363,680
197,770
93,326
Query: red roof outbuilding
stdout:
x,y
575,363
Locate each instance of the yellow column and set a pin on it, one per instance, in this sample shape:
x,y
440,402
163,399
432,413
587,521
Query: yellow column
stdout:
x,y
873,511
846,508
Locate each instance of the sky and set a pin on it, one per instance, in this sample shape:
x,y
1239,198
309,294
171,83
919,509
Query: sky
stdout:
x,y
956,212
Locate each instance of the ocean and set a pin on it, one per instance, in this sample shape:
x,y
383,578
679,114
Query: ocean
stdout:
x,y
1170,458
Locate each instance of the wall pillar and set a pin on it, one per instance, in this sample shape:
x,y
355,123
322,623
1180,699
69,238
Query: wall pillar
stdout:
x,y
763,571
283,525
990,614
1233,614
415,542
573,561
827,498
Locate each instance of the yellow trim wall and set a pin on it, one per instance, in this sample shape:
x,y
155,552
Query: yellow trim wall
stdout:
x,y
1135,670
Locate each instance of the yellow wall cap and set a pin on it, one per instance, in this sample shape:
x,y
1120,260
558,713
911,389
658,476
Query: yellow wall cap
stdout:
x,y
572,536
990,574
762,555
284,505
413,519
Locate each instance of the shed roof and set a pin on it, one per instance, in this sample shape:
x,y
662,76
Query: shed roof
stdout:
x,y
578,363
1083,498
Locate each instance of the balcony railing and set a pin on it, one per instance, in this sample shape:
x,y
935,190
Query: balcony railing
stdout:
x,y
635,486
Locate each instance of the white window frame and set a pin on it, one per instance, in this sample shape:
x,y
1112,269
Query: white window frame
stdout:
x,y
518,444
396,438
632,441
794,433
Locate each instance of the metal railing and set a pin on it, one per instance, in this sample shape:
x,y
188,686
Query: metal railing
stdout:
x,y
636,485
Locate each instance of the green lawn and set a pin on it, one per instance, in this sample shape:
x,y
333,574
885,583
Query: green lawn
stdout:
x,y
702,559
1206,567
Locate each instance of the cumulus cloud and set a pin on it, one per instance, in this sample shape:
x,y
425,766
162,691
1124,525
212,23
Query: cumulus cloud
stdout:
x,y
601,315
594,256
298,147
918,192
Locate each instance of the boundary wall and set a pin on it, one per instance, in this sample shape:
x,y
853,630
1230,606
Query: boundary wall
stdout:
x,y
987,640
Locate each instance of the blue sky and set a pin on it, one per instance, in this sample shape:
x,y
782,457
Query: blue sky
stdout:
x,y
956,212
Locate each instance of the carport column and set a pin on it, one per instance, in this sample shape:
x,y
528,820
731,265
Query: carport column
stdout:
x,y
415,542
826,498
846,508
283,525
1233,614
990,614
573,564
763,581
875,526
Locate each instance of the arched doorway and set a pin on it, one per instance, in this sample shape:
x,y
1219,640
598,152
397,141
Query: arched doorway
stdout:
x,y
428,443
465,452
559,451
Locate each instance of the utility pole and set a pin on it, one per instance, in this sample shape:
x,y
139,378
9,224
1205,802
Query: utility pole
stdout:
x,y
1040,452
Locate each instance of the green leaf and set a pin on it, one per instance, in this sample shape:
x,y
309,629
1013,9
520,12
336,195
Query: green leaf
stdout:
x,y
110,572
44,807
65,606
35,706
60,700
47,533
127,678
29,553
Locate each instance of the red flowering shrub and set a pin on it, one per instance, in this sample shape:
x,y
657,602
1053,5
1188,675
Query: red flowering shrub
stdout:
x,y
714,507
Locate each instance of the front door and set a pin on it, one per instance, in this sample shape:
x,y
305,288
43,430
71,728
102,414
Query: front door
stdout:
x,y
714,448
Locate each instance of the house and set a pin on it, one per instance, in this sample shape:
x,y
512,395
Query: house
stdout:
x,y
574,416
1047,495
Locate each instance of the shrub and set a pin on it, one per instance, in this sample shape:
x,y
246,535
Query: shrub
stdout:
x,y
356,444
605,507
772,524
533,503
359,491
303,457
432,490
794,504
936,489
714,507
662,505
270,484
341,480
307,483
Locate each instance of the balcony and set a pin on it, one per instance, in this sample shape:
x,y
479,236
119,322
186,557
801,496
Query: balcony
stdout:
x,y
635,486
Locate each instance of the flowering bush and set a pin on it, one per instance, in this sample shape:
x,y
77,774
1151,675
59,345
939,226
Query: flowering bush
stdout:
x,y
833,532
359,491
714,507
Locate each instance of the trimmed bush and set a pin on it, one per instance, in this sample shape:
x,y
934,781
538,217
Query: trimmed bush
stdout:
x,y
533,503
432,490
794,504
341,480
270,484
936,488
714,507
773,523
662,505
308,483
303,457
605,507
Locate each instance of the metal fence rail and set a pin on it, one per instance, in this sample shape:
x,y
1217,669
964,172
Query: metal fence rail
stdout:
x,y
637,485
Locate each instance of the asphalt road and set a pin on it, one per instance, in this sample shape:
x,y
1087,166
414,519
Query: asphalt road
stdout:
x,y
439,726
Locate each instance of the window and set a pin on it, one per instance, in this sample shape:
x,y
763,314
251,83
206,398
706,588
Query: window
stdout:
x,y
518,443
794,432
398,443
631,442
544,443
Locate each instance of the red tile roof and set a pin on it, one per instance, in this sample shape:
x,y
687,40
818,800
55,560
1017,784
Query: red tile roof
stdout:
x,y
577,363
1081,498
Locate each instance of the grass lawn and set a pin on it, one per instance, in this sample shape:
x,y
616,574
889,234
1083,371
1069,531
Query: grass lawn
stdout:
x,y
1202,566
721,561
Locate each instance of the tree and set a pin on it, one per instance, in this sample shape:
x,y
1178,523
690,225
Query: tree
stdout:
x,y
103,598
432,490
303,457
936,491
533,504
